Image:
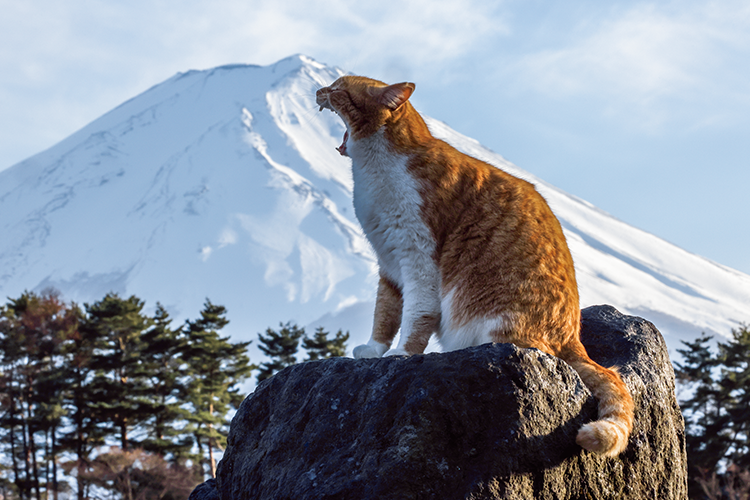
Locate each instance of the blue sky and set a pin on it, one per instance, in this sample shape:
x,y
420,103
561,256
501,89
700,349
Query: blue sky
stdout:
x,y
641,108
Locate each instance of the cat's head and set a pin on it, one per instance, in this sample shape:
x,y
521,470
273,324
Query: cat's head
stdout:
x,y
364,104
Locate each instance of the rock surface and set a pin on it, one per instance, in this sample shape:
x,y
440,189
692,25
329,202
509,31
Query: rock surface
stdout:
x,y
492,421
205,491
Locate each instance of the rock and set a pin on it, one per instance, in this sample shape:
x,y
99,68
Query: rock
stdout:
x,y
493,421
205,491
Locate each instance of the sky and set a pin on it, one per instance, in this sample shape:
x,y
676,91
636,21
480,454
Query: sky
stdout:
x,y
641,108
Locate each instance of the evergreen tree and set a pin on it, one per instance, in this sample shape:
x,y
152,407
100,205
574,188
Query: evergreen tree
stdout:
x,y
734,358
32,330
165,374
83,434
704,412
717,415
120,383
281,347
70,381
55,323
216,368
52,391
11,388
319,346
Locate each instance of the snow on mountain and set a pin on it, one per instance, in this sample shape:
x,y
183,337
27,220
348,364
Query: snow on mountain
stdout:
x,y
225,184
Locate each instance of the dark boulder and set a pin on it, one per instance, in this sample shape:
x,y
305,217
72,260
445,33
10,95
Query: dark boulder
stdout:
x,y
205,491
492,421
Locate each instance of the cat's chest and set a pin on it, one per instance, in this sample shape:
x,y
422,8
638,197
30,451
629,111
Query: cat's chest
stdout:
x,y
387,203
384,193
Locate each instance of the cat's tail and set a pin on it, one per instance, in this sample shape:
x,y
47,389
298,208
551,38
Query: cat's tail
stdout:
x,y
609,435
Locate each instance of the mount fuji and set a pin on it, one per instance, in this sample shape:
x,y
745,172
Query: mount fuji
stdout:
x,y
226,184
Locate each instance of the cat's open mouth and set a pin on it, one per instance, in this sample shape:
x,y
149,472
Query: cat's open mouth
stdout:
x,y
326,105
342,149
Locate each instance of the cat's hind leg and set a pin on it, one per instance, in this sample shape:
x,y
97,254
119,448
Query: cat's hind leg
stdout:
x,y
388,309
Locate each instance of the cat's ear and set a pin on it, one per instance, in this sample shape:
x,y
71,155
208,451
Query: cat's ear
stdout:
x,y
395,95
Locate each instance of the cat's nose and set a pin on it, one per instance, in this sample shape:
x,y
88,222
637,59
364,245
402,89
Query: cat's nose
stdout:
x,y
321,98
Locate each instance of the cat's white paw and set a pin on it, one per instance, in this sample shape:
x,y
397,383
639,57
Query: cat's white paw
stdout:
x,y
369,350
396,352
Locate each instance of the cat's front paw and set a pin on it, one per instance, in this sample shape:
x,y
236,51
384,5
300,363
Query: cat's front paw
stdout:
x,y
396,352
370,350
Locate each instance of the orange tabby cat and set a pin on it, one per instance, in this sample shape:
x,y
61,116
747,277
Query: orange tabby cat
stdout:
x,y
466,251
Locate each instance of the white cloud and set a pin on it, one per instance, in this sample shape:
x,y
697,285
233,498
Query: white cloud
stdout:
x,y
648,55
62,64
228,237
182,35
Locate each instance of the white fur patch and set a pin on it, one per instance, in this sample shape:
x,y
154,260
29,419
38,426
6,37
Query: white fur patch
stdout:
x,y
476,331
388,204
372,349
395,352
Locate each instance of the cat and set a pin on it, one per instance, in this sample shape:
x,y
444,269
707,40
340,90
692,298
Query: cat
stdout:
x,y
465,250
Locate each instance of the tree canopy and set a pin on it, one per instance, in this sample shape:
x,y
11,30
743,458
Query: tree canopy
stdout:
x,y
717,414
109,397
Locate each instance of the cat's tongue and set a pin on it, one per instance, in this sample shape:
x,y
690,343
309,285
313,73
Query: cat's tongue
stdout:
x,y
342,149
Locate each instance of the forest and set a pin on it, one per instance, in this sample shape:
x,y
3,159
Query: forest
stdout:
x,y
105,401
716,376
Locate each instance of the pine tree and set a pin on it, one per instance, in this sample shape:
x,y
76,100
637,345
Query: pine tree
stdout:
x,y
55,323
717,415
734,358
32,330
320,347
165,377
13,348
281,347
120,381
216,368
705,414
52,391
11,388
71,381
83,434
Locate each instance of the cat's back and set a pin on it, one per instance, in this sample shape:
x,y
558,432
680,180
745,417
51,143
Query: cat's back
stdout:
x,y
462,193
494,232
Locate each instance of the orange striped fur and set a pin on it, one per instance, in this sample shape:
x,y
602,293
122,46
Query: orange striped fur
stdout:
x,y
466,251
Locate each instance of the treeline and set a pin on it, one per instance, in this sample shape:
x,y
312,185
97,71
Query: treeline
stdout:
x,y
717,415
107,397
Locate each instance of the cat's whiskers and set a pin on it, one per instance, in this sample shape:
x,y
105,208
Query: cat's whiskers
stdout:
x,y
312,111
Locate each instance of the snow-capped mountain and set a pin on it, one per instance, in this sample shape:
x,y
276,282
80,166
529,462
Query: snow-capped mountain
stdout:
x,y
225,184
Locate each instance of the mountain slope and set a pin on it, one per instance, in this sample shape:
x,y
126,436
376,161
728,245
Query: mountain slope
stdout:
x,y
225,184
